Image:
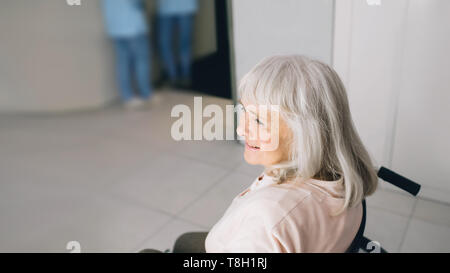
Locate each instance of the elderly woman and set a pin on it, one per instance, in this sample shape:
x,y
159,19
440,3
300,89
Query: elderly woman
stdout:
x,y
308,199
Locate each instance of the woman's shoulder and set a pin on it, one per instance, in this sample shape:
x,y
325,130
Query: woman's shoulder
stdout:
x,y
273,203
296,191
294,199
299,215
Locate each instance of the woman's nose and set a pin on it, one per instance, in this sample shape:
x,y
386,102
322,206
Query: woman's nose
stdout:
x,y
244,130
241,126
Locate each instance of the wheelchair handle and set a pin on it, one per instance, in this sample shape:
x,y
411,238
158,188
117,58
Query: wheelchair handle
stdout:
x,y
399,181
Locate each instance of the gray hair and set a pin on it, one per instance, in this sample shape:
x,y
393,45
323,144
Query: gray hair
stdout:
x,y
313,102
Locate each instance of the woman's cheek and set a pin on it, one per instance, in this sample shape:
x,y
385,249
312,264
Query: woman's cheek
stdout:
x,y
270,141
265,136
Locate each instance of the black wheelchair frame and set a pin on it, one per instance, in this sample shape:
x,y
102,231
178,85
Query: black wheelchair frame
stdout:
x,y
360,242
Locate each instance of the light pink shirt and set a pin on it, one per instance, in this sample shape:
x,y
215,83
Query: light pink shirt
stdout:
x,y
291,217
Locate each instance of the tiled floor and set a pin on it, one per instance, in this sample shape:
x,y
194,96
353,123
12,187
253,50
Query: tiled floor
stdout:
x,y
115,181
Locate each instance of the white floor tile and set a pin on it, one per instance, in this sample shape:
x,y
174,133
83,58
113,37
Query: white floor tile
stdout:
x,y
226,154
385,227
396,202
423,236
168,183
207,210
90,166
434,212
45,220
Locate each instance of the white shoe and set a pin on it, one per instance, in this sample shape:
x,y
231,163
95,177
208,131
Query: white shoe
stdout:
x,y
133,103
156,98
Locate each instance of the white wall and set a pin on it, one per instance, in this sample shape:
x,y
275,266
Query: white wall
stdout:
x,y
267,27
53,56
422,135
366,56
395,62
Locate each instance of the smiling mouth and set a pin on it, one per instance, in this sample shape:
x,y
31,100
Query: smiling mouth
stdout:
x,y
250,147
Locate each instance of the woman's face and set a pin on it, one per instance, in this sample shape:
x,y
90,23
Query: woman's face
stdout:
x,y
266,134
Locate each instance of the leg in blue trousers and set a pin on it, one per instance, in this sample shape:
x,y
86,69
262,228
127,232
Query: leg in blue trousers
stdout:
x,y
124,59
185,46
140,47
165,33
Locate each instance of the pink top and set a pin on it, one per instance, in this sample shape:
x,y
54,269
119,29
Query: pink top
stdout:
x,y
291,217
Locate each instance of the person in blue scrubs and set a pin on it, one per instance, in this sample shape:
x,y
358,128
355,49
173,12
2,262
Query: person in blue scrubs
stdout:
x,y
126,25
172,15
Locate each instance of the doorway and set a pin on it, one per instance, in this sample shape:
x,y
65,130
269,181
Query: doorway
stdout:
x,y
211,68
212,71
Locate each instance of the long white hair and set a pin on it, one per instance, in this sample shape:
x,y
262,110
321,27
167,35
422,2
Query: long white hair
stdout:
x,y
313,102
